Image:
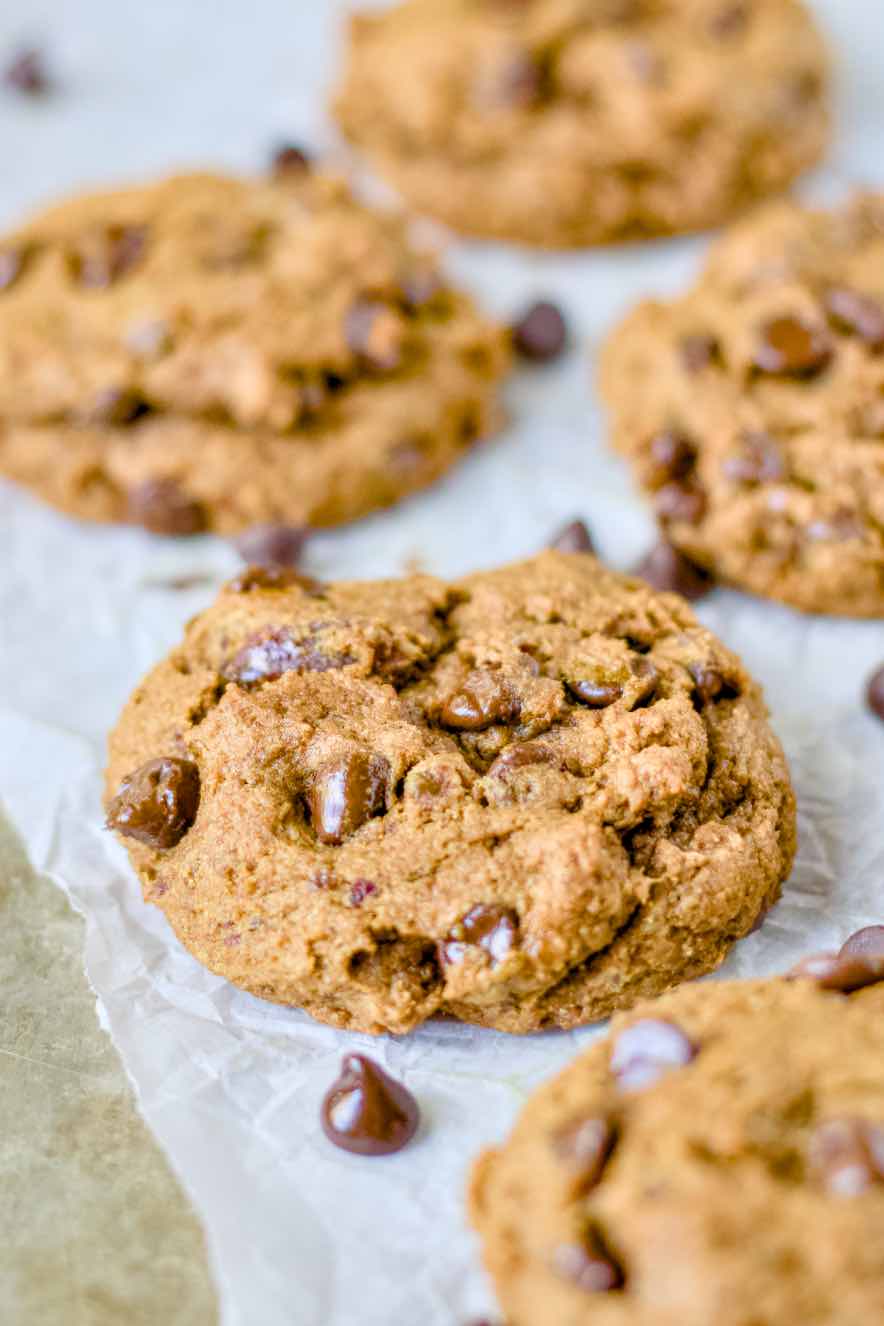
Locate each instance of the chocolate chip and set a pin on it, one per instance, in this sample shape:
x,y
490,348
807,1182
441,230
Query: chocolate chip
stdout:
x,y
116,407
875,693
648,1049
109,254
668,570
867,944
709,683
699,352
27,72
290,160
789,346
857,964
857,314
588,1264
271,545
573,538
488,926
647,679
367,1112
841,527
270,652
360,890
541,333
584,1146
521,755
162,507
595,693
273,577
12,264
345,794
511,83
681,502
670,457
757,460
483,700
158,803
374,334
729,21
847,1156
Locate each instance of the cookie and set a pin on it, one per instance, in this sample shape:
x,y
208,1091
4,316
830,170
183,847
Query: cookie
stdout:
x,y
575,122
719,1158
209,353
522,799
752,408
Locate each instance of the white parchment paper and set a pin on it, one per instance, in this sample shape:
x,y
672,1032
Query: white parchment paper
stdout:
x,y
300,1234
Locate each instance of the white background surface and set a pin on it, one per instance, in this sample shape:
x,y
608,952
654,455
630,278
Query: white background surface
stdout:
x,y
302,1235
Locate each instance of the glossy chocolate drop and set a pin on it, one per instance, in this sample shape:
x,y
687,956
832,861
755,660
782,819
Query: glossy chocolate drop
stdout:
x,y
367,1112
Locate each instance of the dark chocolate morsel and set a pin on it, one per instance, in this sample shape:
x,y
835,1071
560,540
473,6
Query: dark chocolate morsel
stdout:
x,y
648,1049
157,803
367,1112
573,538
541,333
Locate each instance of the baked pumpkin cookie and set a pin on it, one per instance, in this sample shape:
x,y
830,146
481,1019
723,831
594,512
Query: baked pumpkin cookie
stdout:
x,y
523,799
573,122
718,1158
752,408
208,353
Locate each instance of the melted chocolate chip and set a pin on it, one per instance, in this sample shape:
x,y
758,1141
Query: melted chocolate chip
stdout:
x,y
270,652
12,264
573,538
680,502
671,457
668,570
647,677
847,1156
117,407
699,352
346,793
374,334
857,964
273,577
588,1264
648,1049
27,72
541,333
584,1146
290,160
162,507
710,683
271,545
367,1112
110,254
157,803
521,755
875,693
511,83
595,693
483,700
857,314
488,926
789,346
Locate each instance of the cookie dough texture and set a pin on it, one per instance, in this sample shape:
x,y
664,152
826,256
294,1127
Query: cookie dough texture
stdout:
x,y
752,408
740,1189
211,353
405,809
573,122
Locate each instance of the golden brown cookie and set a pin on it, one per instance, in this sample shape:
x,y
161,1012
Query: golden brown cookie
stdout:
x,y
523,799
569,122
213,353
717,1160
752,408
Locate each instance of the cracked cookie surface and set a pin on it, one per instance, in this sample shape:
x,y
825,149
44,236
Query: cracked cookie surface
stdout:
x,y
570,122
214,353
718,1158
523,799
752,408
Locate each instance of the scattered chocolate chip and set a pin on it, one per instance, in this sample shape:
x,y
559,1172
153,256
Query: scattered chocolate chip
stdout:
x,y
483,700
345,794
857,964
367,1112
588,1264
699,352
511,83
273,577
116,407
757,460
162,507
488,926
680,502
521,755
670,457
668,570
595,693
109,254
157,803
271,545
360,890
374,334
857,314
709,683
648,1049
289,160
573,538
12,264
789,346
541,333
847,1156
270,652
27,72
584,1146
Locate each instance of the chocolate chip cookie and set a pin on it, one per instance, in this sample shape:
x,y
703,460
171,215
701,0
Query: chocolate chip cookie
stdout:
x,y
209,353
523,799
573,122
752,408
718,1158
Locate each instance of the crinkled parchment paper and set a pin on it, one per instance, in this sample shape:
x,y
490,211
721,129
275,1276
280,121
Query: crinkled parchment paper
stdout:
x,y
300,1234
